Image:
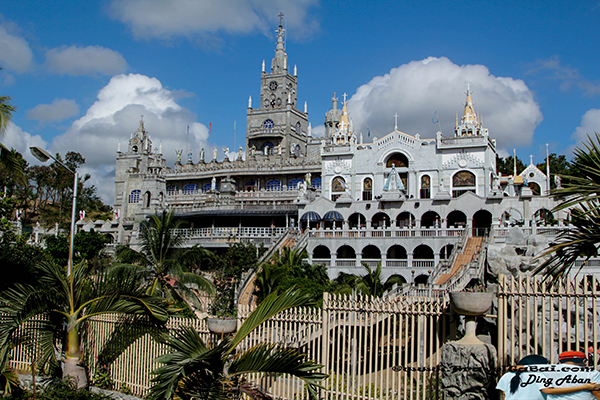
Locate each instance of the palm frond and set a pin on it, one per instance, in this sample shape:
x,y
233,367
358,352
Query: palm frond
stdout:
x,y
271,306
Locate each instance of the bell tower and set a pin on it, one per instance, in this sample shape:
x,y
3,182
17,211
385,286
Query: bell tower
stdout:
x,y
277,126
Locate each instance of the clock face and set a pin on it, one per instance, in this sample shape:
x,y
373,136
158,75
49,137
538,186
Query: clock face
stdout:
x,y
273,86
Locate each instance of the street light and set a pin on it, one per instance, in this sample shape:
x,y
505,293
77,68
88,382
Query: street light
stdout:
x,y
44,156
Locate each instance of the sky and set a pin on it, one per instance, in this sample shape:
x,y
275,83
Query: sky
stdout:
x,y
81,74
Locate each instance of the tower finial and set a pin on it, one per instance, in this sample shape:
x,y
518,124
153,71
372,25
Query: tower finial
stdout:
x,y
280,19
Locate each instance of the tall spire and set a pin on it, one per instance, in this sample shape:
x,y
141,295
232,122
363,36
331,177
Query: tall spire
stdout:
x,y
469,113
279,63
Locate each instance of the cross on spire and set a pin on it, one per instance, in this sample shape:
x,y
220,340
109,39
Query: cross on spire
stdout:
x,y
345,95
396,121
280,18
531,159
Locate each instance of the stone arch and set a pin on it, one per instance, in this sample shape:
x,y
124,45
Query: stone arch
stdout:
x,y
535,188
423,252
371,252
367,189
446,251
397,252
482,222
380,220
134,196
346,251
405,220
357,220
512,217
462,182
425,190
421,279
338,187
430,219
456,219
147,198
400,160
544,216
321,251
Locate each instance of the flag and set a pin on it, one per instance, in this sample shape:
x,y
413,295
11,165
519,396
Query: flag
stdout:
x,y
435,118
369,133
209,127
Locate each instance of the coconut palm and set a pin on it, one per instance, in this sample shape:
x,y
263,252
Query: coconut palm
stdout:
x,y
11,159
369,284
164,263
580,196
54,310
195,369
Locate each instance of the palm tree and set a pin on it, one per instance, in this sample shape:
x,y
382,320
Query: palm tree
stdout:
x,y
580,196
195,369
273,272
369,284
164,263
11,159
54,310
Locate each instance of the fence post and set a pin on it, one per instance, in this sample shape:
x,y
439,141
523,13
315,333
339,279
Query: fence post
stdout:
x,y
325,342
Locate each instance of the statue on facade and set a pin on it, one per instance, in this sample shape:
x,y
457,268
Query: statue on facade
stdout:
x,y
252,151
393,182
214,153
308,178
240,153
278,148
558,181
179,155
213,183
190,156
202,155
226,151
266,151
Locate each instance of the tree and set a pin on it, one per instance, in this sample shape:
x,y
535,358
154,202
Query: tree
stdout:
x,y
506,166
87,246
290,269
195,369
7,157
580,196
369,284
164,263
559,165
68,302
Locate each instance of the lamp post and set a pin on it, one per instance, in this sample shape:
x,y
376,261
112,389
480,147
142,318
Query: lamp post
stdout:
x,y
44,156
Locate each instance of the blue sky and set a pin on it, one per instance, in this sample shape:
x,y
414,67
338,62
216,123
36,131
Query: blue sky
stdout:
x,y
82,73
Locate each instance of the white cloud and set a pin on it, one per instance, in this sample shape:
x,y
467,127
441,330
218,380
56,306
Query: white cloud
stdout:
x,y
506,105
58,110
116,114
16,138
90,60
15,54
590,124
165,19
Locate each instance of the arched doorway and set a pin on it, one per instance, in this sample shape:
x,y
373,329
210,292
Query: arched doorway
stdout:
x,y
446,251
371,252
421,279
405,220
430,220
456,219
357,221
321,252
482,222
380,220
346,252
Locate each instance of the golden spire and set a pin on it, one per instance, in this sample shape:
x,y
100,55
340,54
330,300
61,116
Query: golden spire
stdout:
x,y
344,119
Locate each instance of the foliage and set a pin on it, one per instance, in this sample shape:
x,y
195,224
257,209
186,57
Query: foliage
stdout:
x,y
86,246
559,165
289,269
195,369
67,303
369,284
238,259
164,264
102,377
580,196
506,165
60,389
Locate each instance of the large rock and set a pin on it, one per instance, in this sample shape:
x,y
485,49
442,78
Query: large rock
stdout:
x,y
468,371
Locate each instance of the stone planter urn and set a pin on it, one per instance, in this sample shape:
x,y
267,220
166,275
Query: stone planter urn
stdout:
x,y
221,326
471,305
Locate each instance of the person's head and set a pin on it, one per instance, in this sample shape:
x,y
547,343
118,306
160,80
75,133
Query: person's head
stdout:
x,y
532,359
572,357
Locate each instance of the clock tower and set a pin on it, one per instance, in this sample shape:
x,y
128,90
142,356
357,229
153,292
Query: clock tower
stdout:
x,y
277,126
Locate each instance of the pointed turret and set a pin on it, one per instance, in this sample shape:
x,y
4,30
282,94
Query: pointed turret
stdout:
x,y
470,123
279,63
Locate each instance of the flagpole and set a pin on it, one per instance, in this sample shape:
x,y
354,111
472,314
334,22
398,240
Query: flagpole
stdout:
x,y
547,170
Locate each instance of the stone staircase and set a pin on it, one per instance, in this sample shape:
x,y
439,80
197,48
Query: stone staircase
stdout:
x,y
470,252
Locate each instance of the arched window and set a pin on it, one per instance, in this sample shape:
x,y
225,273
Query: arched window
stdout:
x,y
367,193
321,252
462,182
134,196
190,188
425,187
316,183
338,187
535,188
147,197
171,189
273,184
298,127
267,149
293,183
397,159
